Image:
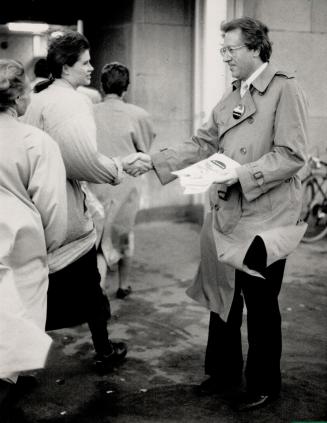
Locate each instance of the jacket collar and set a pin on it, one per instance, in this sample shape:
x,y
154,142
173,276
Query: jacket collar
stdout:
x,y
262,81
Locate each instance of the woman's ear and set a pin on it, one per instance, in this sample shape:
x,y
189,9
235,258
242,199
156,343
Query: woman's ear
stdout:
x,y
65,70
17,100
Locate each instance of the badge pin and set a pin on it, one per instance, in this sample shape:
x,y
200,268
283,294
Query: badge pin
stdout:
x,y
238,111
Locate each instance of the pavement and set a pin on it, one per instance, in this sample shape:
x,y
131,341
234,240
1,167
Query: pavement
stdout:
x,y
167,332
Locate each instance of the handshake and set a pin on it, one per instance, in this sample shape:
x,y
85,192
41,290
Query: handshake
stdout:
x,y
137,163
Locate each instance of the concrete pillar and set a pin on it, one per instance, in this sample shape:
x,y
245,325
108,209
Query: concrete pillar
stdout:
x,y
209,69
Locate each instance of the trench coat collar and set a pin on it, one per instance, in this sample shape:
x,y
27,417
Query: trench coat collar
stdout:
x,y
262,82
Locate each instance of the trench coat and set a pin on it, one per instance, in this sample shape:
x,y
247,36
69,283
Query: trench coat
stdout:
x,y
33,218
269,140
122,129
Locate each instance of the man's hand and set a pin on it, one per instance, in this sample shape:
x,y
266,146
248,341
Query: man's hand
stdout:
x,y
228,178
137,163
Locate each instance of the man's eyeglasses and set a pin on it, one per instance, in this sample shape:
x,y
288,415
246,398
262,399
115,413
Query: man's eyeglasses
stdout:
x,y
229,50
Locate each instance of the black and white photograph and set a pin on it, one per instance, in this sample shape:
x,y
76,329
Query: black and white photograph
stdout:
x,y
163,211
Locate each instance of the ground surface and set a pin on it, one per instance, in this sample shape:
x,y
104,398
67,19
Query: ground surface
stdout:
x,y
167,332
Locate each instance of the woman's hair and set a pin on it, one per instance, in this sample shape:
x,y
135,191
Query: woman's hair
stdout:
x,y
13,82
41,69
255,35
114,78
65,50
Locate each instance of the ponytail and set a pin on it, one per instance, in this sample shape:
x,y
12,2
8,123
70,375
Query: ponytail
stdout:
x,y
40,86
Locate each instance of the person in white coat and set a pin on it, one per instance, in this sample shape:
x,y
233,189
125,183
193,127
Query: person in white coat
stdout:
x,y
33,223
67,116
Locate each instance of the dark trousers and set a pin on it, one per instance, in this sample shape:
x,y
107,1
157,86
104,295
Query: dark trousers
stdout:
x,y
75,297
224,358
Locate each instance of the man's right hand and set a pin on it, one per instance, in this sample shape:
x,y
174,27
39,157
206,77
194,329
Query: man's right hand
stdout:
x,y
137,163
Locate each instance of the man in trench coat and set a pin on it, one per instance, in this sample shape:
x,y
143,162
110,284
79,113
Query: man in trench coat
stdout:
x,y
254,220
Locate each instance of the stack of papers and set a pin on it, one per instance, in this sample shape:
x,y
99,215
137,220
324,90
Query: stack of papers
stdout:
x,y
198,177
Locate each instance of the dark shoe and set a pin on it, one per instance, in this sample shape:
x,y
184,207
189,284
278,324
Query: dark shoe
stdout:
x,y
214,385
253,401
122,293
107,362
8,411
25,384
15,415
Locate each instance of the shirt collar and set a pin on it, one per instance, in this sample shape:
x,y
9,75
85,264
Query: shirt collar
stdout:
x,y
254,75
61,82
112,96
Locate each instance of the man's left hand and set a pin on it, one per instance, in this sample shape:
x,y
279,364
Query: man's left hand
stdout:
x,y
228,178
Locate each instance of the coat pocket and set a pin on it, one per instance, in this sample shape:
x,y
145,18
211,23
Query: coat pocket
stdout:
x,y
227,216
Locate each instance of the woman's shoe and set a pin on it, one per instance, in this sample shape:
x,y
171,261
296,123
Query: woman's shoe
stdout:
x,y
123,292
106,362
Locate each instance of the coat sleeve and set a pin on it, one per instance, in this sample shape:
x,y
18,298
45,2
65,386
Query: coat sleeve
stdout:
x,y
24,346
69,121
199,147
47,189
289,152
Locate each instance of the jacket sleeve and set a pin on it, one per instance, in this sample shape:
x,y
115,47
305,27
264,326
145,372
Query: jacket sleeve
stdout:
x,y
289,152
69,121
199,147
47,189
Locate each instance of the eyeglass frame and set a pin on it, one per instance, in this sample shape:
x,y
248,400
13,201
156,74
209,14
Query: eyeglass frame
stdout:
x,y
229,50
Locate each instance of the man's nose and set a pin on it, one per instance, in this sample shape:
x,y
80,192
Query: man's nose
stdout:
x,y
226,58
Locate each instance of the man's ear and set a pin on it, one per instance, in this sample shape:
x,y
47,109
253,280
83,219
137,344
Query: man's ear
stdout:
x,y
256,53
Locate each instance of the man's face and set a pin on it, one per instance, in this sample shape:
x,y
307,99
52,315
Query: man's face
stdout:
x,y
242,62
80,72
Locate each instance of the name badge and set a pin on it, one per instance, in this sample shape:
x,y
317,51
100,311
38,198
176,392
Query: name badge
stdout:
x,y
238,111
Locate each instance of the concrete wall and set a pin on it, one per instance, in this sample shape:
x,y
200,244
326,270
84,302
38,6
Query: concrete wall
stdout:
x,y
299,34
162,60
110,38
17,47
155,40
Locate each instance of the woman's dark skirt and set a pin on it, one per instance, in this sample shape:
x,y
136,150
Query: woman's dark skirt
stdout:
x,y
75,294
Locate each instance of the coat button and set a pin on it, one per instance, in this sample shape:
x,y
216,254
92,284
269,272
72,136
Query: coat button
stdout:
x,y
216,207
221,150
243,150
251,119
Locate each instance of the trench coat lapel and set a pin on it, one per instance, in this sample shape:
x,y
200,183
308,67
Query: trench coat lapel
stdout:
x,y
226,119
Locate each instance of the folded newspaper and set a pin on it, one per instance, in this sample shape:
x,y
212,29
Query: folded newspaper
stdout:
x,y
198,177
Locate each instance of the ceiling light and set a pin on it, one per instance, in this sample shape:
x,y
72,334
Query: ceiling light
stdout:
x,y
33,27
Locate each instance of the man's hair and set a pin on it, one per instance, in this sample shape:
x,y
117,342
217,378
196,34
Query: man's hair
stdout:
x,y
114,78
65,50
255,35
13,82
41,68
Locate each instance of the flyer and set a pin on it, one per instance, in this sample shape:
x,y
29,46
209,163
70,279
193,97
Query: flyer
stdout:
x,y
198,177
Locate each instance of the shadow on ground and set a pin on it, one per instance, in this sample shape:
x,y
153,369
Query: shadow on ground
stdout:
x,y
166,333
